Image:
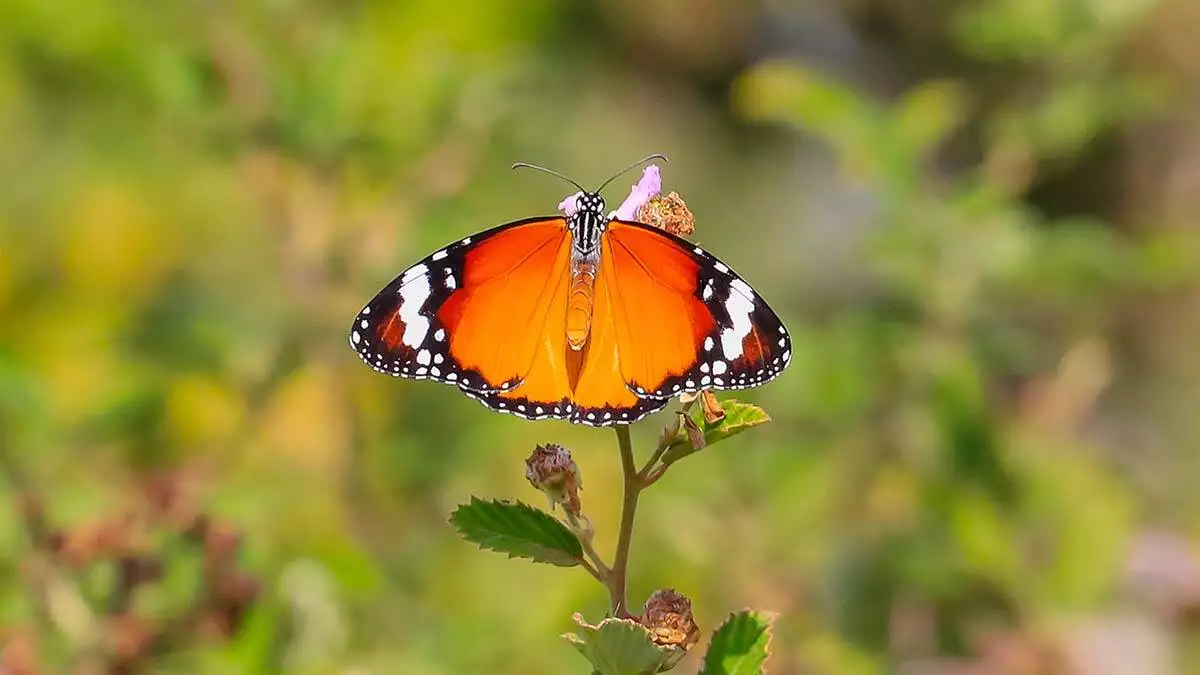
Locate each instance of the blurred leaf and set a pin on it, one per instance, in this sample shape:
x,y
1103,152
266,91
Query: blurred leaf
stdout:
x,y
784,91
519,530
739,646
928,113
618,647
739,417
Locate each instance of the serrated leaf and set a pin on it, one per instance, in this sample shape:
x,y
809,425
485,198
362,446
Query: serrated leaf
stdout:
x,y
739,416
517,529
618,647
739,646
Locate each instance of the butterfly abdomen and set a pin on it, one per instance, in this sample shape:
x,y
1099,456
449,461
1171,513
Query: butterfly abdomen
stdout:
x,y
580,300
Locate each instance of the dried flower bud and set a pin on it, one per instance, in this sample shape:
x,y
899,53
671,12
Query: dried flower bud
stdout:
x,y
713,412
668,617
668,213
694,432
550,469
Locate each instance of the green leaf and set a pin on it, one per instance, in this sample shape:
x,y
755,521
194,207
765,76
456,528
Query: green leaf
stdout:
x,y
517,529
739,417
619,647
739,646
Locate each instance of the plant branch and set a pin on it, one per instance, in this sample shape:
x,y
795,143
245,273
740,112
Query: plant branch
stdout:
x,y
644,476
653,475
592,571
633,488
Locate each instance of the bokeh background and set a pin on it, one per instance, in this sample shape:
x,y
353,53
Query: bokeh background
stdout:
x,y
978,219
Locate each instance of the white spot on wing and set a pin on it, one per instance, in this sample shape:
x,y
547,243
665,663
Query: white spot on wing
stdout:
x,y
739,308
720,267
450,282
439,255
418,270
356,337
742,287
719,368
708,343
440,334
423,357
412,298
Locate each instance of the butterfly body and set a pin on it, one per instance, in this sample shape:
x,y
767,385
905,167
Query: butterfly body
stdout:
x,y
587,318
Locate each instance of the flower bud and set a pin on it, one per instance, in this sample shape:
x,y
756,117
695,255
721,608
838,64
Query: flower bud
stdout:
x,y
668,213
550,469
668,616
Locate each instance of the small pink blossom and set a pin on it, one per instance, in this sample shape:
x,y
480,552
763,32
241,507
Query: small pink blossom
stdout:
x,y
569,205
646,189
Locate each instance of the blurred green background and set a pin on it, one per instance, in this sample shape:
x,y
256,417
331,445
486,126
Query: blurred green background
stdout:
x,y
978,219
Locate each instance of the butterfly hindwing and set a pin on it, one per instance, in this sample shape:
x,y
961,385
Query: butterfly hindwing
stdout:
x,y
601,396
461,316
686,320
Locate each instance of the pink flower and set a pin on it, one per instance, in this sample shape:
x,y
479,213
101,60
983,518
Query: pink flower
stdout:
x,y
646,189
568,205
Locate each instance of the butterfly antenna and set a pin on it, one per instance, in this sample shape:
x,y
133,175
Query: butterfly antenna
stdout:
x,y
631,166
552,172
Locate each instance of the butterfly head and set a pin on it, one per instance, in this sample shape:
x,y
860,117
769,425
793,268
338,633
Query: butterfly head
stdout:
x,y
587,224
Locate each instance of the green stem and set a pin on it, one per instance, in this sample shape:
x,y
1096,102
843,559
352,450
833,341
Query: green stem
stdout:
x,y
633,488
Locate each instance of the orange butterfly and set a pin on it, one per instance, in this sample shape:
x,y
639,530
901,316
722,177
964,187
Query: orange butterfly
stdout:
x,y
588,318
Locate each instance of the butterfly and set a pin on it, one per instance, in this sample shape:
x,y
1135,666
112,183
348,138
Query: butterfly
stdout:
x,y
588,318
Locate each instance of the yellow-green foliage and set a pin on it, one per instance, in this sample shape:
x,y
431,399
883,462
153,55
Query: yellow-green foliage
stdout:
x,y
196,198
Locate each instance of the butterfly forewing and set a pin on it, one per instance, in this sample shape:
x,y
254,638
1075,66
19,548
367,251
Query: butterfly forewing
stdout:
x,y
687,321
462,315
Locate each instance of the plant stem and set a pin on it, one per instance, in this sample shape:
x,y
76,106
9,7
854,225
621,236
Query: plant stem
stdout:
x,y
644,474
591,570
633,488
